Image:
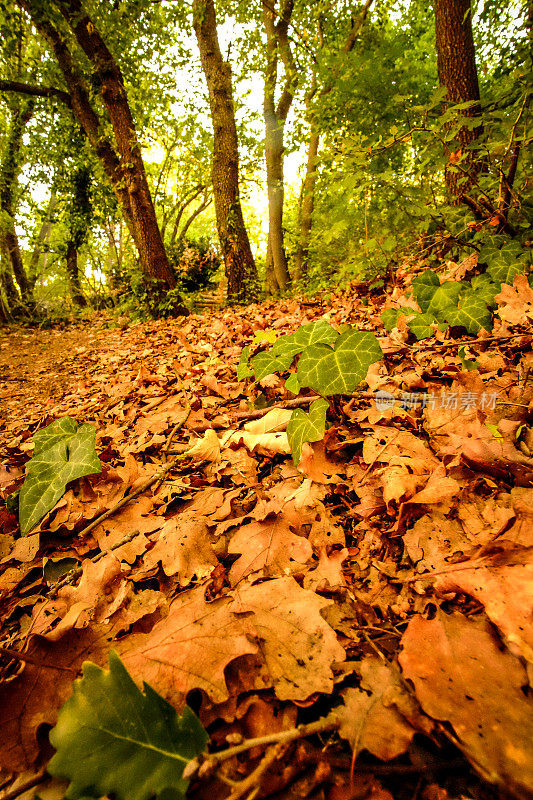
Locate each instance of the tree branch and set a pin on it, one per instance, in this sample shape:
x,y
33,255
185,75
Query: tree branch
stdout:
x,y
35,91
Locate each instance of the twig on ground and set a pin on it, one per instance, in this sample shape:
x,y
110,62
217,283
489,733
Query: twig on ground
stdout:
x,y
282,737
252,782
77,571
12,794
174,430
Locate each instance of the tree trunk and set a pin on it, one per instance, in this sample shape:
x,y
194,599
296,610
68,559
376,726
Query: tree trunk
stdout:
x,y
9,171
239,263
42,239
456,65
275,118
73,274
124,166
307,206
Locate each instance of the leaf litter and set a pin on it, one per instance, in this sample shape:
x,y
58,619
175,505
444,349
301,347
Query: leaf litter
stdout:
x,y
385,578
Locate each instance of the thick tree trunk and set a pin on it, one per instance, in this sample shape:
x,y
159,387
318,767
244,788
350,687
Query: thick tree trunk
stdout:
x,y
239,263
456,65
124,166
307,206
9,171
275,117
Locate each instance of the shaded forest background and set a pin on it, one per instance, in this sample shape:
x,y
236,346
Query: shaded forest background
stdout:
x,y
143,144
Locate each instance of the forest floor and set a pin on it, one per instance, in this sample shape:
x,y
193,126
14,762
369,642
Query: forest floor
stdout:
x,y
386,578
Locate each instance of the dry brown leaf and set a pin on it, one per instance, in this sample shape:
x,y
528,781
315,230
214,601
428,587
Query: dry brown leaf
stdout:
x,y
184,549
297,644
370,719
189,649
269,547
462,676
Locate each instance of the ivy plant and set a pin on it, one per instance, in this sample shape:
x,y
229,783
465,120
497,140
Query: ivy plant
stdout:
x,y
63,452
328,361
463,304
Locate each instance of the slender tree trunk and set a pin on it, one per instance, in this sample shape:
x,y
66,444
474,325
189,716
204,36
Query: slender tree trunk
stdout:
x,y
73,274
239,263
9,170
124,166
275,116
42,238
456,65
307,206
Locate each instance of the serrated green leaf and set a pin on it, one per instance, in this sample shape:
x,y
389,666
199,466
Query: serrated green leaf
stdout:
x,y
244,369
421,326
111,739
341,369
63,452
424,288
389,317
471,313
306,427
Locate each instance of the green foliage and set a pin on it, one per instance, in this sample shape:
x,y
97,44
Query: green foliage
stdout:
x,y
306,427
112,739
329,362
63,452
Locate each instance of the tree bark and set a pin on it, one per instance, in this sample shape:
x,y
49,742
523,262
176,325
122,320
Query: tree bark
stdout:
x,y
124,166
275,117
307,206
9,171
456,65
239,263
73,274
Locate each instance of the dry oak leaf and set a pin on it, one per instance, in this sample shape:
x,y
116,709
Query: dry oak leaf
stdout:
x,y
434,540
328,573
189,649
398,448
35,696
461,676
206,449
438,489
269,547
183,547
372,721
515,304
82,605
267,444
297,644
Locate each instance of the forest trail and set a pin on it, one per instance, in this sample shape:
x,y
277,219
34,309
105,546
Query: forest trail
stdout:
x,y
389,571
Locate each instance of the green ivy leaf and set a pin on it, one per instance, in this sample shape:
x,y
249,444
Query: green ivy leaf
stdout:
x,y
244,369
111,739
63,452
292,384
267,362
468,364
421,326
424,288
505,272
306,427
485,288
445,296
341,369
471,313
389,317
